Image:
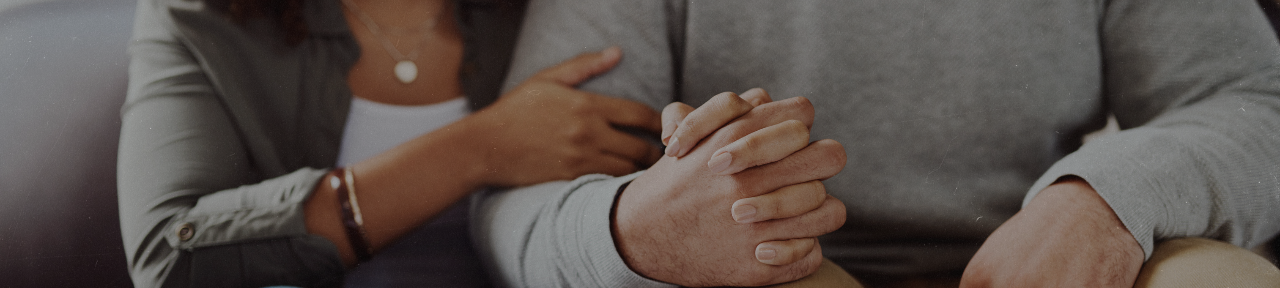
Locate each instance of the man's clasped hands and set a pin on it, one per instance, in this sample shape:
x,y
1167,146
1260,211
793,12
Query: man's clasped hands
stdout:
x,y
741,188
738,200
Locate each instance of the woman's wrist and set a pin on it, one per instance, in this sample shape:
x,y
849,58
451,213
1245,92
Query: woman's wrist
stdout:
x,y
324,220
435,170
343,184
467,145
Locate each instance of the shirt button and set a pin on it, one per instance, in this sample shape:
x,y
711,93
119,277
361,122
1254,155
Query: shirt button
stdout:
x,y
186,231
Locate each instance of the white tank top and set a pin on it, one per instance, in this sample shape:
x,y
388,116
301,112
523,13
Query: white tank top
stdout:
x,y
438,253
374,127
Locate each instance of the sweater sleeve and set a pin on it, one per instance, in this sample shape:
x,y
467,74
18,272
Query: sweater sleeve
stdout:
x,y
554,234
558,235
557,30
1196,86
192,210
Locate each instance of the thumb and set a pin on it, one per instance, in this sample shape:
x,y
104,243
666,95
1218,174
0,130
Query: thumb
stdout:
x,y
582,67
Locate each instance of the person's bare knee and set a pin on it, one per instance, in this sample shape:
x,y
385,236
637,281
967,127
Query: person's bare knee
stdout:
x,y
828,275
1199,262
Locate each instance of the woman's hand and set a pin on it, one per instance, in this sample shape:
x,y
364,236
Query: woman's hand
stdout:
x,y
541,131
546,130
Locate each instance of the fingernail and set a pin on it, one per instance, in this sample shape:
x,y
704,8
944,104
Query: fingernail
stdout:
x,y
766,254
745,213
673,147
669,129
720,163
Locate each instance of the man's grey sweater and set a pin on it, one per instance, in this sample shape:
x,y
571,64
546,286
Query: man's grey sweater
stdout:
x,y
953,115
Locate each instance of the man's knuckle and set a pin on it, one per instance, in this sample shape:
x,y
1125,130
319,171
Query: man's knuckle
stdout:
x,y
735,131
722,97
749,143
793,126
836,217
727,103
819,196
832,153
803,104
770,205
827,162
812,195
686,127
739,105
817,189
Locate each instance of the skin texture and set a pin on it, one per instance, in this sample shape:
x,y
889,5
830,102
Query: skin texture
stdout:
x,y
1068,232
438,60
758,148
695,241
1066,236
544,130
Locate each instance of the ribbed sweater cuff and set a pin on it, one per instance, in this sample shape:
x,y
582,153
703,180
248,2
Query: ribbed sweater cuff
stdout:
x,y
1126,175
594,233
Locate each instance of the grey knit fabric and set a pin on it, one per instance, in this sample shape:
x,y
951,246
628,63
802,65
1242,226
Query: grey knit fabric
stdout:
x,y
954,114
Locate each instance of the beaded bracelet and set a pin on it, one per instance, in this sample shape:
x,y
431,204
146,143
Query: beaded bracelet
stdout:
x,y
343,184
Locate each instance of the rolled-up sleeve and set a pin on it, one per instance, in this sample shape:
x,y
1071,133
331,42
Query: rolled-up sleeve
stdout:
x,y
193,210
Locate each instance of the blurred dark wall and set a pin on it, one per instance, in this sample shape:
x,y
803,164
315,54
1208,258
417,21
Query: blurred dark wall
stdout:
x,y
1270,8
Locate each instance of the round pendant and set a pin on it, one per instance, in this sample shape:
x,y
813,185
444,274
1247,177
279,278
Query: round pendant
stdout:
x,y
406,71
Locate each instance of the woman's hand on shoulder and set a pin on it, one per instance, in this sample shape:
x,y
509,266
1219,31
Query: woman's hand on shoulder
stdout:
x,y
545,129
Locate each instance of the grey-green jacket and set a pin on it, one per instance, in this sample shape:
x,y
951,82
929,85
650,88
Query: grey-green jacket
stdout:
x,y
226,130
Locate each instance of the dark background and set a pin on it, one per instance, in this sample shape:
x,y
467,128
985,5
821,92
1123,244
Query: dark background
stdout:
x,y
63,75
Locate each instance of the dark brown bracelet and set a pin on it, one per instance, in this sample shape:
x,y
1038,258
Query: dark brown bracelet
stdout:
x,y
355,229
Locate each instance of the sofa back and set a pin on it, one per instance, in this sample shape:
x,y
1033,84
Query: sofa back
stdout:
x,y
63,73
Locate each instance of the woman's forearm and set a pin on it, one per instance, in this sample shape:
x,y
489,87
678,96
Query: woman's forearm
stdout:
x,y
402,188
544,130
